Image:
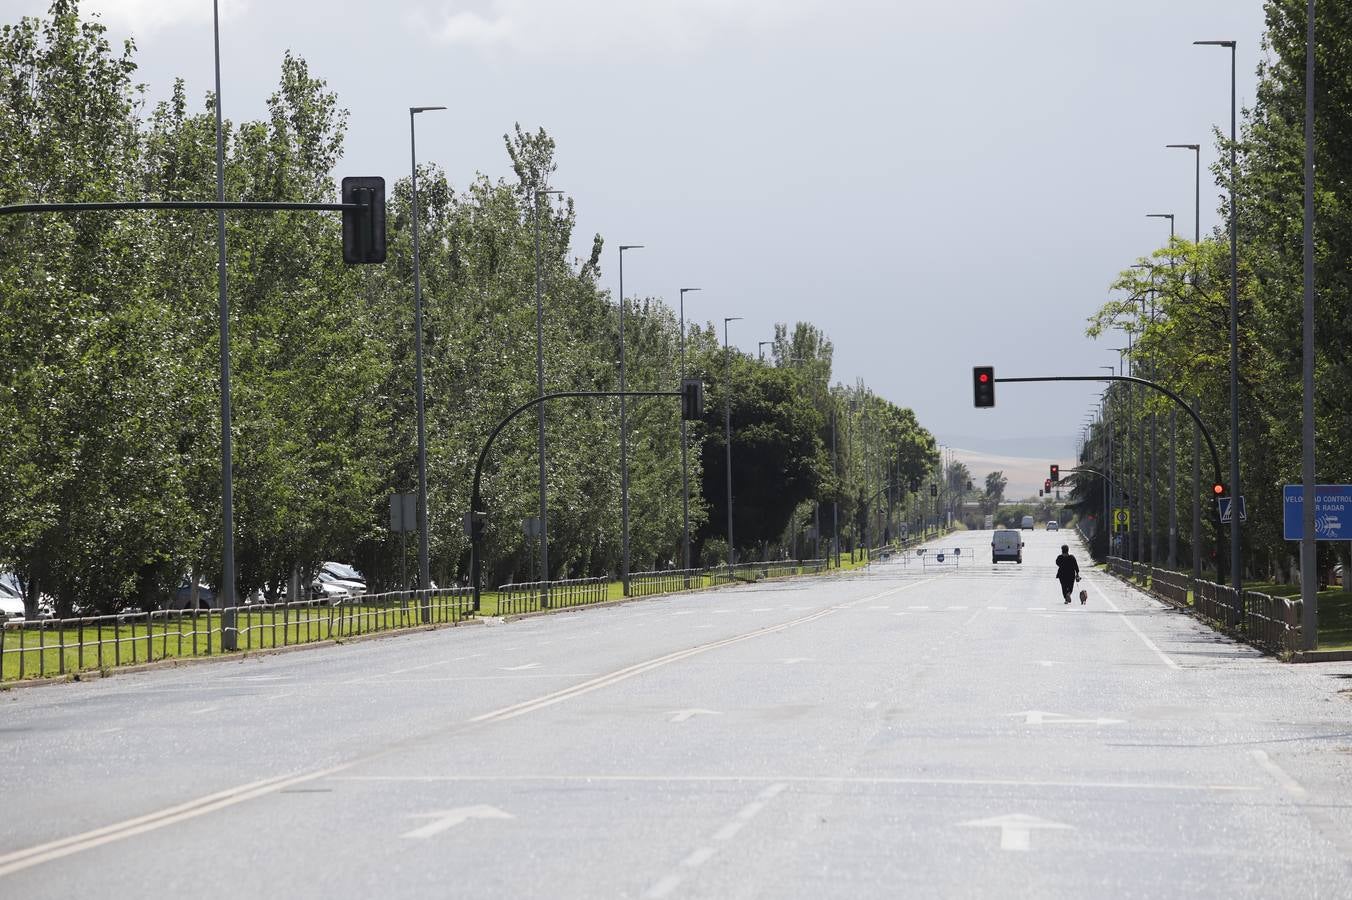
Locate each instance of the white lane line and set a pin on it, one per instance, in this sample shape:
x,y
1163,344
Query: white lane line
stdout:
x,y
749,812
520,668
1132,625
698,858
203,711
872,704
281,696
956,608
31,856
764,609
917,607
729,831
881,781
1289,784
663,888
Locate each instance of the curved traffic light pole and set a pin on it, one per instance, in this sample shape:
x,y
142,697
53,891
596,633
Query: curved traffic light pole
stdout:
x,y
1215,457
476,498
1104,475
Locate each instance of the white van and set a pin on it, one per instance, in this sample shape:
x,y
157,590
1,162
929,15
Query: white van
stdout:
x,y
1027,523
1007,544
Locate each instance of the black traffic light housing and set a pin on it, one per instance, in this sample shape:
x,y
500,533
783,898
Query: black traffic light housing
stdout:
x,y
1056,473
934,490
692,399
1047,485
364,229
983,386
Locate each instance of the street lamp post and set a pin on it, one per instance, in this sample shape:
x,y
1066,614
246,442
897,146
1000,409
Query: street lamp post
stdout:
x,y
685,464
1154,431
727,429
1236,569
624,438
424,560
229,632
760,349
1197,189
1309,619
540,387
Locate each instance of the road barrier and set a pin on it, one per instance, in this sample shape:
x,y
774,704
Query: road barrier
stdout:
x,y
1269,623
53,647
533,596
50,647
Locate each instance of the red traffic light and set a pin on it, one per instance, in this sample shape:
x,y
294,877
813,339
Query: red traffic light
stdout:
x,y
983,378
1218,489
983,386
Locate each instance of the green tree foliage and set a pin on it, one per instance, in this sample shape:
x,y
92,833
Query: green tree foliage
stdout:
x,y
109,368
1185,342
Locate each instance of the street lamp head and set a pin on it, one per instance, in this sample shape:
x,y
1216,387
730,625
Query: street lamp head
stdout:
x,y
624,247
688,290
1184,146
414,110
1230,44
1159,215
728,319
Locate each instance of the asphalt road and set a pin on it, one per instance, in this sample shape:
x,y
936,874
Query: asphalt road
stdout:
x,y
920,730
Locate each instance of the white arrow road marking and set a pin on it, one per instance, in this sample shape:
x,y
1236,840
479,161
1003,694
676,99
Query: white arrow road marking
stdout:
x,y
1015,828
446,819
519,668
1039,717
681,715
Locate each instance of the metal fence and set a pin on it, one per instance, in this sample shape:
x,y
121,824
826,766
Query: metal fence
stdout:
x,y
1269,623
533,596
646,584
48,647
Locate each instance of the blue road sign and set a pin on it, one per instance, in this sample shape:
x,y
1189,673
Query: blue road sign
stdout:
x,y
1332,512
1225,509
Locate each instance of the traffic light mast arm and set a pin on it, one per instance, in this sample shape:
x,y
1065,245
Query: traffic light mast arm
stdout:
x,y
476,498
1132,379
1103,475
177,204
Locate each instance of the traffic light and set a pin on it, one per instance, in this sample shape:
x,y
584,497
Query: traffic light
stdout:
x,y
474,526
1056,473
969,484
1218,489
934,490
915,485
692,399
983,386
364,229
1047,485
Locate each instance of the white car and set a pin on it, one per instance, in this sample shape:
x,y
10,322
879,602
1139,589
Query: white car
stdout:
x,y
11,602
1053,525
337,582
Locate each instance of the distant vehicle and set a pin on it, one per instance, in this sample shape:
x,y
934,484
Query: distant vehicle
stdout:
x,y
1007,544
11,603
337,581
1027,523
182,598
1053,525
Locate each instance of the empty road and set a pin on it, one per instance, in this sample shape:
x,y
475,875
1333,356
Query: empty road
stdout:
x,y
921,730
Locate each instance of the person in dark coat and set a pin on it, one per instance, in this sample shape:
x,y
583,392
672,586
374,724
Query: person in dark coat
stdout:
x,y
1067,572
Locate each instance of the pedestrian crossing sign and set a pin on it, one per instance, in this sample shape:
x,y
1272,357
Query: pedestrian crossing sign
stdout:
x,y
1121,518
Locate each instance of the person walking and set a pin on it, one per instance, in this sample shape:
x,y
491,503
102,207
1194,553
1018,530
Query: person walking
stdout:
x,y
1067,572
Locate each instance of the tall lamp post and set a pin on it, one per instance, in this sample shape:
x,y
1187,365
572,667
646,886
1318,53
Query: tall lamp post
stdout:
x,y
727,429
1236,571
624,438
424,561
540,386
229,632
1309,619
685,464
760,349
1197,189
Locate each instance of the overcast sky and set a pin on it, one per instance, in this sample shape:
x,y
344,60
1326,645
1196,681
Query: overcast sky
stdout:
x,y
936,184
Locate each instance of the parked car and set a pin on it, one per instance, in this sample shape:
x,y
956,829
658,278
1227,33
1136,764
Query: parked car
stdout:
x,y
336,582
182,598
1053,525
1007,544
11,603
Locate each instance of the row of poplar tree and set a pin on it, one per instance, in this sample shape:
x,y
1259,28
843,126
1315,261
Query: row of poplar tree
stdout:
x,y
1175,305
109,362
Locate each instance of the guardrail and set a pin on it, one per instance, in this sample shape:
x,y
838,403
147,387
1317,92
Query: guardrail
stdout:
x,y
1269,623
533,596
50,647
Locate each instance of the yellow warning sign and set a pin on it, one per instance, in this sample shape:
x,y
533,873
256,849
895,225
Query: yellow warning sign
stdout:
x,y
1121,518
